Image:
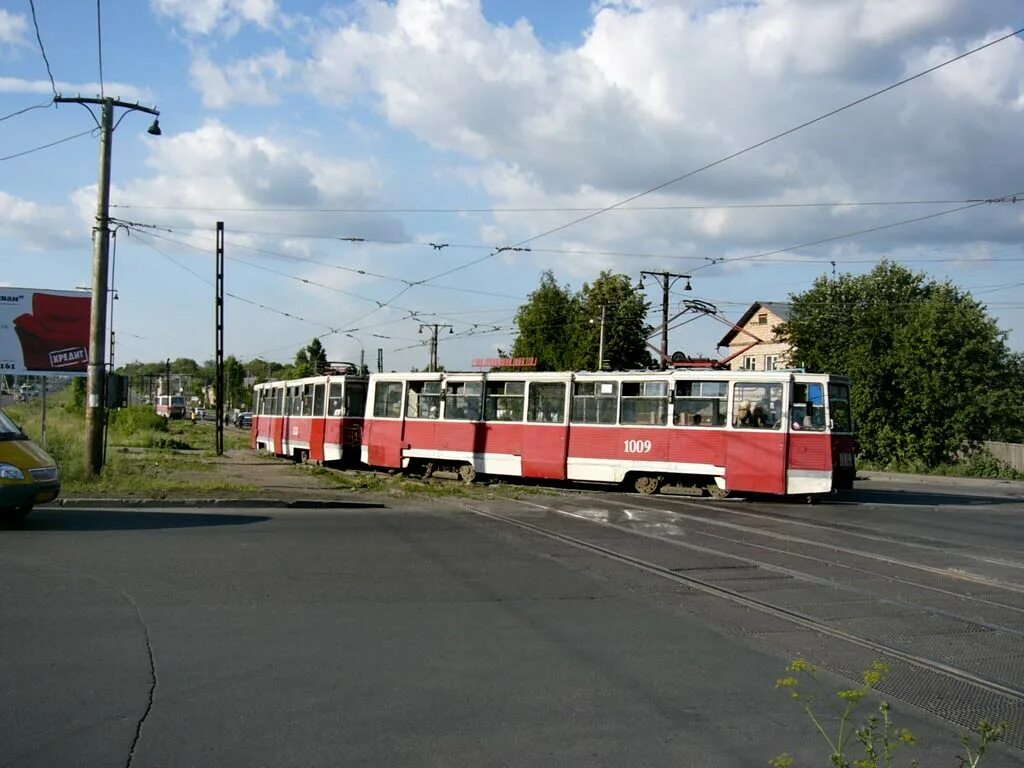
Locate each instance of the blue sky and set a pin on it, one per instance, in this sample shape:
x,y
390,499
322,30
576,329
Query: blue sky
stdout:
x,y
298,124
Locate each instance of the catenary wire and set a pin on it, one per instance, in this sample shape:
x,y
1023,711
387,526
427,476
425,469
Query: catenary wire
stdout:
x,y
42,49
46,146
740,152
99,45
624,209
27,109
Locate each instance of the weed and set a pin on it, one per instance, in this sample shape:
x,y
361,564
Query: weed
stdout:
x,y
877,735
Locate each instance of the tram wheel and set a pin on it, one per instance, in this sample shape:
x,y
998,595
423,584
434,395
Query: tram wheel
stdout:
x,y
715,492
646,484
467,473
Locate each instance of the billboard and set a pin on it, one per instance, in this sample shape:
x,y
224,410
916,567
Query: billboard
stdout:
x,y
44,332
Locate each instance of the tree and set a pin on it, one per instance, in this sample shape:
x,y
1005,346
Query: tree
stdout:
x,y
562,329
543,322
626,328
930,368
235,392
317,356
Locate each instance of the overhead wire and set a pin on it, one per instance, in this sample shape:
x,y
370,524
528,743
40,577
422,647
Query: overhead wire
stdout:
x,y
27,109
290,315
738,153
99,45
624,209
42,49
46,146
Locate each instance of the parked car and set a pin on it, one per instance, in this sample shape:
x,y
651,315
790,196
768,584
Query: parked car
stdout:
x,y
28,474
244,420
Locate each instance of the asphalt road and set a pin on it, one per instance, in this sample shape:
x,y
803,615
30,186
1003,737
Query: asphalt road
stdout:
x,y
432,636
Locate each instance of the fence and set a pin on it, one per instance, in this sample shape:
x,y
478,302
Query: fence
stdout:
x,y
1011,454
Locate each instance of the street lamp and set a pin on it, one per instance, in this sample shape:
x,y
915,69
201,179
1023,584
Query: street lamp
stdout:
x,y
362,353
600,344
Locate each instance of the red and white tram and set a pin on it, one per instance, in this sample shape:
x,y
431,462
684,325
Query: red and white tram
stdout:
x,y
775,432
318,418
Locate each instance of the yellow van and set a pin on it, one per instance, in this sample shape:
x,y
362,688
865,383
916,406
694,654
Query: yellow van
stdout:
x,y
28,474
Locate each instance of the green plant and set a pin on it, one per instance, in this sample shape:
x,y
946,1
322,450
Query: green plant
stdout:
x,y
987,734
878,736
136,418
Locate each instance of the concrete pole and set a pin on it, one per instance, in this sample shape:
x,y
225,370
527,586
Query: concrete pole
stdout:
x,y
98,314
600,345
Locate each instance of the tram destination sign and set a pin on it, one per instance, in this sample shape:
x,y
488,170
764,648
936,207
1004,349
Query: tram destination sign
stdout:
x,y
44,332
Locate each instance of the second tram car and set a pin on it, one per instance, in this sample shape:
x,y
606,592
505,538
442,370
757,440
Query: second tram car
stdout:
x,y
319,418
171,406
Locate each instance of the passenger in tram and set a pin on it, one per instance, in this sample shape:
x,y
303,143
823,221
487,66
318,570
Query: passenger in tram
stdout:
x,y
743,415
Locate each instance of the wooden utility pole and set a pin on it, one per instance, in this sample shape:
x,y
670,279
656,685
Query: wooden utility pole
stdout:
x,y
94,404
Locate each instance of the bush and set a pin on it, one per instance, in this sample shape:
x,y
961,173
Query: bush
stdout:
x,y
135,419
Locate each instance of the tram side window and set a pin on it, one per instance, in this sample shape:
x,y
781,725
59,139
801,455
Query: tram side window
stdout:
x,y
318,400
295,397
423,400
279,402
462,400
701,403
644,402
757,406
547,403
595,402
839,408
355,398
505,400
808,407
307,400
334,400
387,399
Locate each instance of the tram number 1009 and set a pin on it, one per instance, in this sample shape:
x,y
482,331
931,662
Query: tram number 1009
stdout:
x,y
637,446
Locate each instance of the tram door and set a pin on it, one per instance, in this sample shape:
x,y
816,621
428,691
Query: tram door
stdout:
x,y
756,444
546,436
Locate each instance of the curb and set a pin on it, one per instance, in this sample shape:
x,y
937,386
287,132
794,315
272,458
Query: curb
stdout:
x,y
896,477
83,503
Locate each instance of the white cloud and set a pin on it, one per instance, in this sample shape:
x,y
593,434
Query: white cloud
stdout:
x,y
657,89
40,227
226,16
13,27
255,81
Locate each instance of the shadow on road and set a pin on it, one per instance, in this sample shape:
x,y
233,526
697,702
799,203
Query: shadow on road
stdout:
x,y
125,520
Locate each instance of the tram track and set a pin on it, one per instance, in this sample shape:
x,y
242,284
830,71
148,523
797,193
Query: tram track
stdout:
x,y
1008,703
916,542
947,573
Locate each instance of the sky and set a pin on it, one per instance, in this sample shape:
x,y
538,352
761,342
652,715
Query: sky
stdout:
x,y
380,166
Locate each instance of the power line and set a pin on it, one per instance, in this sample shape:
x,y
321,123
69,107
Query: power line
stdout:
x,y
228,293
99,44
743,151
902,222
681,207
45,146
42,50
27,109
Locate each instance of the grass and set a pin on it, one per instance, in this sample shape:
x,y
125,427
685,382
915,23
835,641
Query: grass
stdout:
x,y
981,464
403,486
143,451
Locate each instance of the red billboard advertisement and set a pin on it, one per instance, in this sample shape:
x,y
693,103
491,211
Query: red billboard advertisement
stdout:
x,y
44,331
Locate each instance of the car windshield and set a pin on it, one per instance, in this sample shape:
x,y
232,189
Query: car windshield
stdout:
x,y
8,429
